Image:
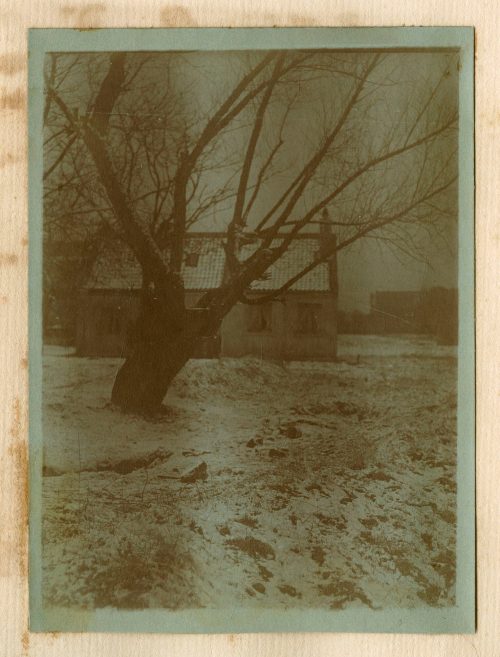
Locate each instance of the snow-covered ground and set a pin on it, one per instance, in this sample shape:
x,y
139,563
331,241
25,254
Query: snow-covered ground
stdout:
x,y
306,484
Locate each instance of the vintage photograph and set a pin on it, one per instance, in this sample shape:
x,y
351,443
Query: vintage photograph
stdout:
x,y
250,329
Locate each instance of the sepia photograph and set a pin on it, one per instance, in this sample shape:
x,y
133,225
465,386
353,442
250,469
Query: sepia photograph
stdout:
x,y
253,319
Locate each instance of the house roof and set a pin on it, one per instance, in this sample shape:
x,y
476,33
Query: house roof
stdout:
x,y
118,269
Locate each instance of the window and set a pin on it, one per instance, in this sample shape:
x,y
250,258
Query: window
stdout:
x,y
308,317
192,259
259,318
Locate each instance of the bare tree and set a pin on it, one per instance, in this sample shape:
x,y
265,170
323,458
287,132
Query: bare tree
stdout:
x,y
287,137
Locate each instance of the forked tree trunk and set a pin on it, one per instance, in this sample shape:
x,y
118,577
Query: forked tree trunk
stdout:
x,y
156,356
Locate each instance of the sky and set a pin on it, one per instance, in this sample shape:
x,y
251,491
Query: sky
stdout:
x,y
366,266
363,271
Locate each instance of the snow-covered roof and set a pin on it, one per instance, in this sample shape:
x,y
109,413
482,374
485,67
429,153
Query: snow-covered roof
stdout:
x,y
118,268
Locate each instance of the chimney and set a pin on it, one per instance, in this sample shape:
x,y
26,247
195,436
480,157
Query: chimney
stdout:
x,y
328,242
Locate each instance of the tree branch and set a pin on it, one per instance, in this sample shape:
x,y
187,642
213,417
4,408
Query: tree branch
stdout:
x,y
369,228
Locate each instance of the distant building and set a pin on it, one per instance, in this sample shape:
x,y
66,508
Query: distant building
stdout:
x,y
433,311
437,314
394,311
63,274
301,325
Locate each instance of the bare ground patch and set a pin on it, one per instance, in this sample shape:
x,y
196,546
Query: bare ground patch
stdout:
x,y
342,473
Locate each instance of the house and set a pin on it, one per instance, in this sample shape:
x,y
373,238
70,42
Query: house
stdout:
x,y
301,325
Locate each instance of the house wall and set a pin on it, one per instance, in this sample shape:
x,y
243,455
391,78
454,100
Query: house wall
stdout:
x,y
106,319
284,340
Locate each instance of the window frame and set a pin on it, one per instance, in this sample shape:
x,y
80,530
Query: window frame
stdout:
x,y
313,322
190,257
266,314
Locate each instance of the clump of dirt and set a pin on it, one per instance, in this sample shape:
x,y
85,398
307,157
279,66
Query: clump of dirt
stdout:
x,y
265,573
369,522
338,522
315,486
198,473
378,475
258,586
290,590
404,567
343,591
278,453
285,488
249,522
448,516
253,547
126,466
290,430
357,461
427,539
444,564
346,408
318,555
430,595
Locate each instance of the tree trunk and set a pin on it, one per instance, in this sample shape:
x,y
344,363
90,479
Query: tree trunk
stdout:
x,y
157,354
144,378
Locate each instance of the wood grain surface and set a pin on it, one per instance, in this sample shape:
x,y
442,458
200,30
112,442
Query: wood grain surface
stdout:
x,y
16,16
